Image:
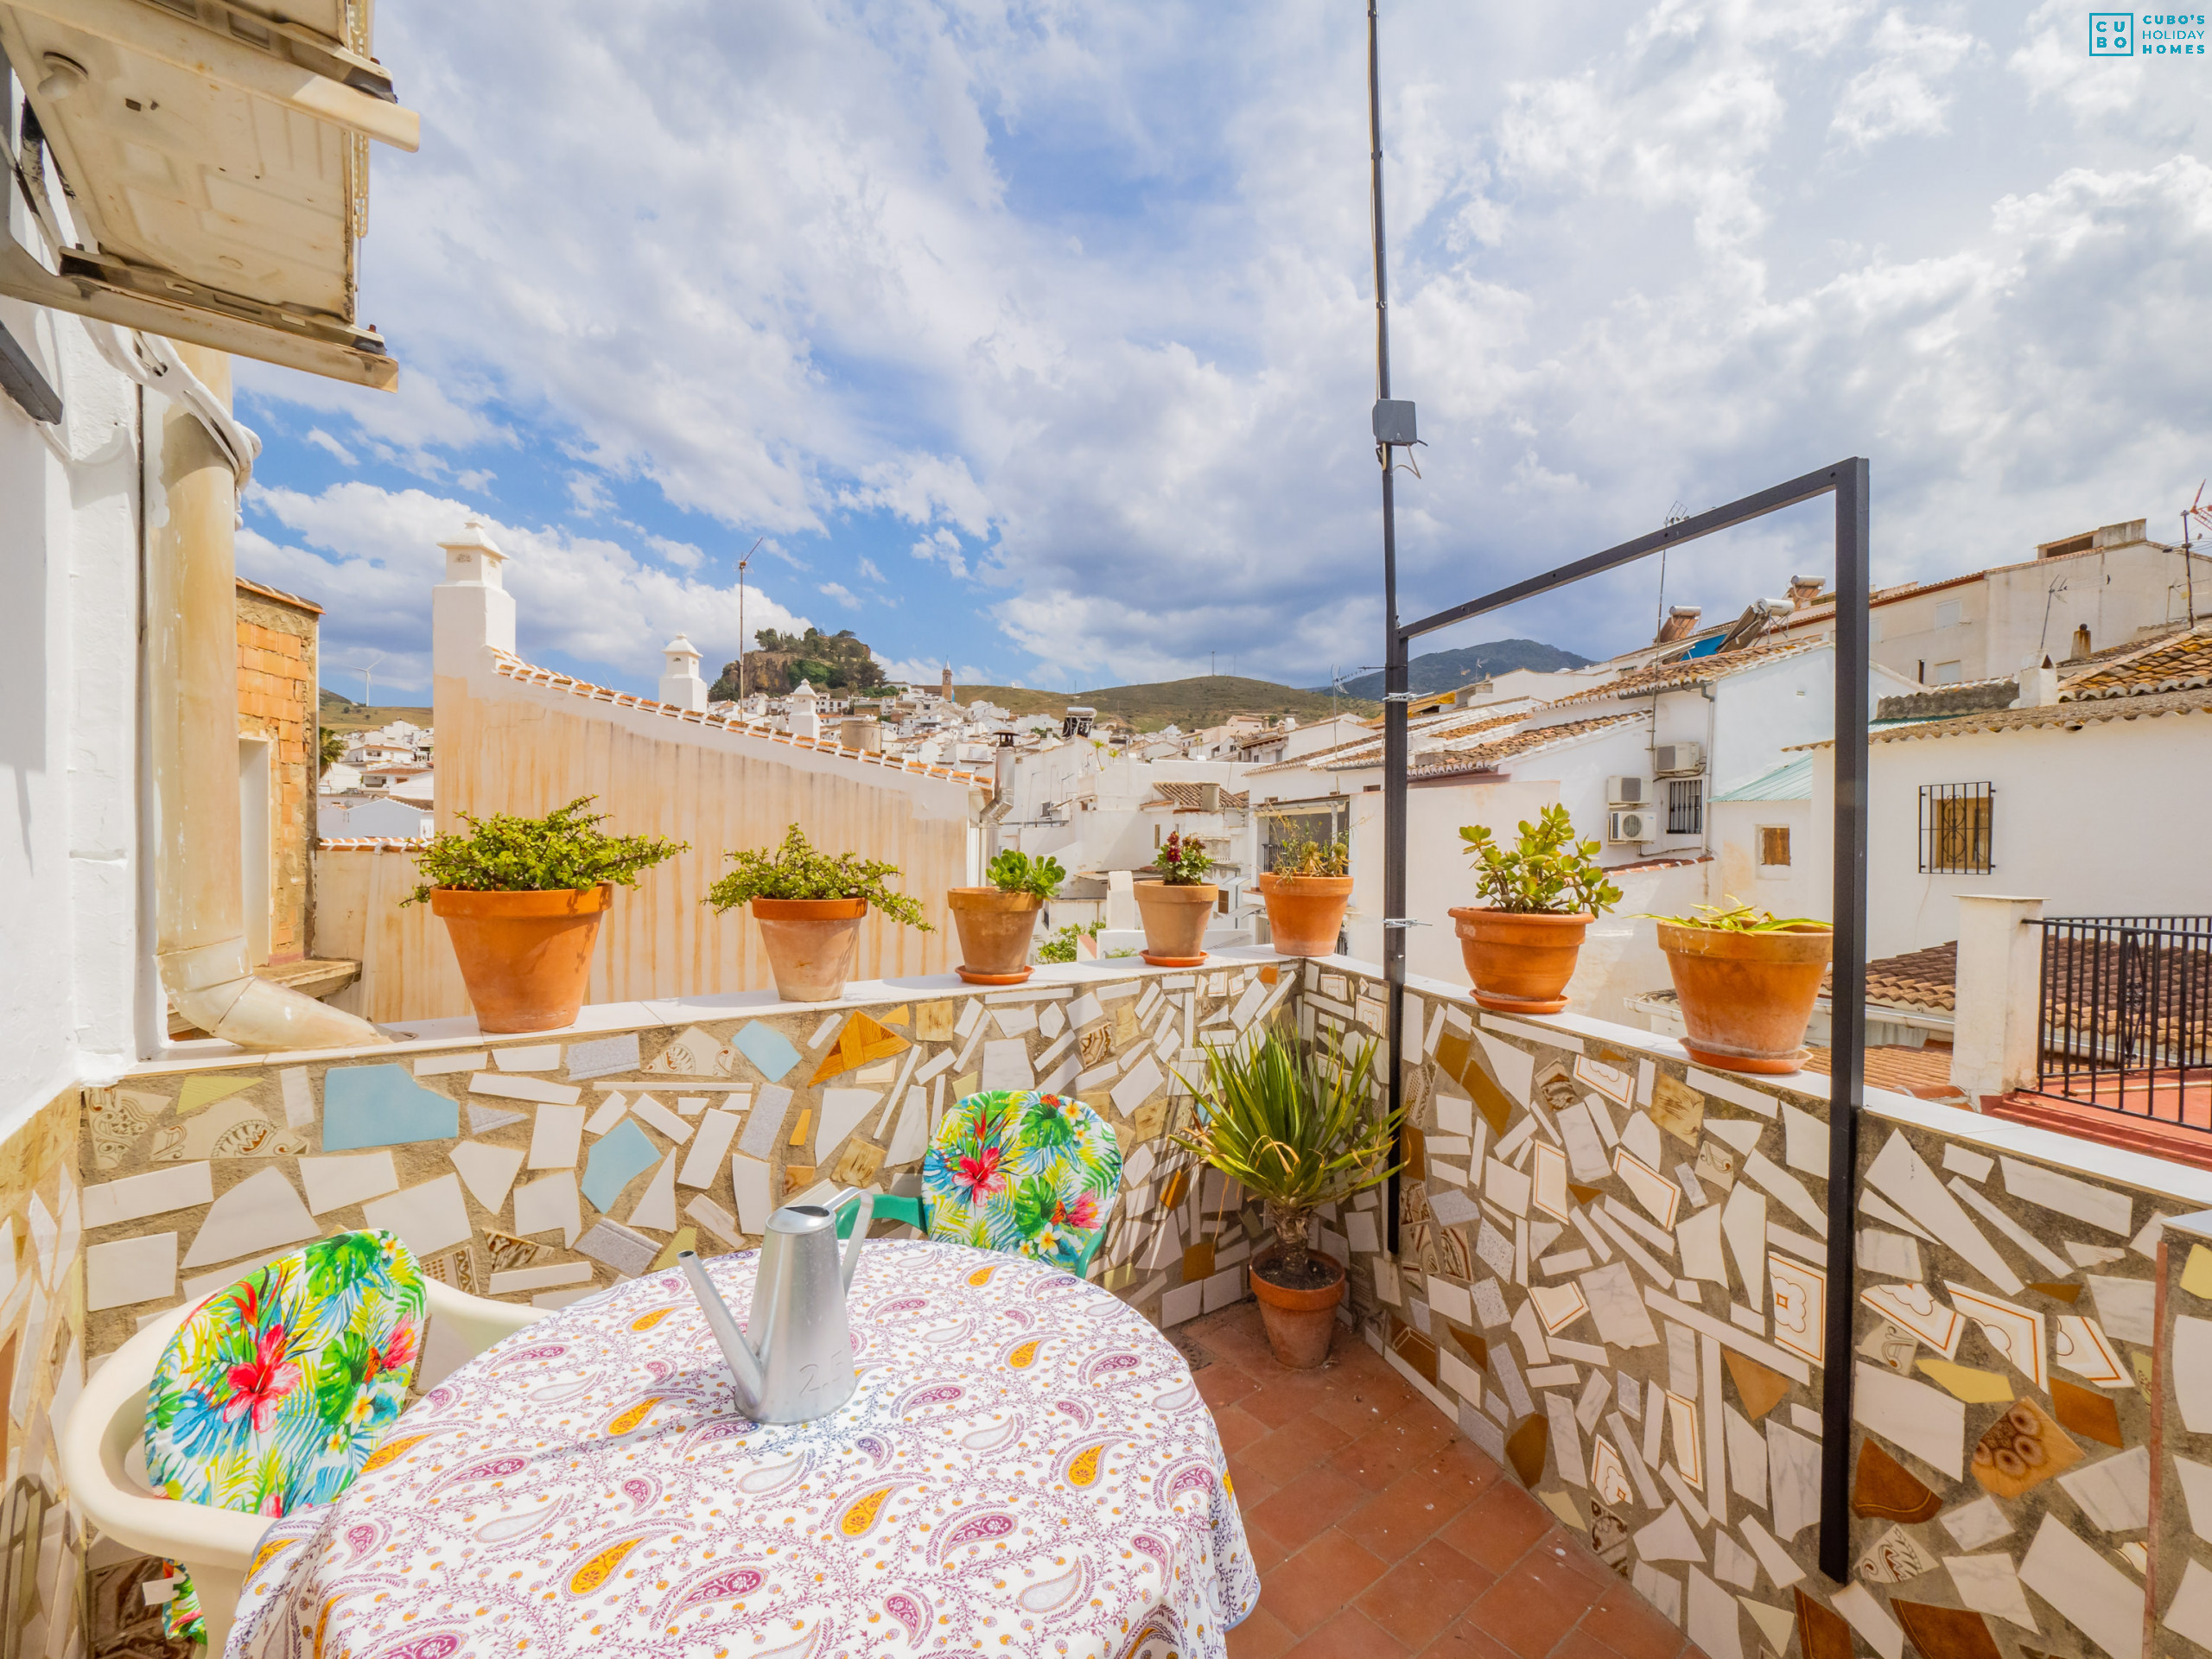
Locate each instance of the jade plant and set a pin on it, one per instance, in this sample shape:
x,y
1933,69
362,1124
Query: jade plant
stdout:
x,y
1299,1130
797,870
1182,863
1548,872
1314,858
1017,871
564,848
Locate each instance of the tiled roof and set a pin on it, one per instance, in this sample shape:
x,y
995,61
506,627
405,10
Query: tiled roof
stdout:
x,y
1919,979
1680,673
1368,751
1486,757
514,668
1185,797
2074,716
1790,781
370,843
2179,662
279,594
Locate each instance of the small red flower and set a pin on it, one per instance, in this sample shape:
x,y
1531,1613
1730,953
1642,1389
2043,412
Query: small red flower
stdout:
x,y
395,1353
1081,1215
981,1174
261,1385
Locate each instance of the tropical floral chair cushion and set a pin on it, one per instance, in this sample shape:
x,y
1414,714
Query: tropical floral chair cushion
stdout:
x,y
1031,1173
276,1391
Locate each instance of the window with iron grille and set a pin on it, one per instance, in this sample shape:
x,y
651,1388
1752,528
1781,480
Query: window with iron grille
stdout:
x,y
1685,806
1955,825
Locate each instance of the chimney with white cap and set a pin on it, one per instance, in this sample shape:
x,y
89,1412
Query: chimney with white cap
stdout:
x,y
471,608
679,682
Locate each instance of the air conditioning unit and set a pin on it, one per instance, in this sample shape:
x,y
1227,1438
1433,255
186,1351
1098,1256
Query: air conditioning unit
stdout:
x,y
1633,826
1675,757
1628,792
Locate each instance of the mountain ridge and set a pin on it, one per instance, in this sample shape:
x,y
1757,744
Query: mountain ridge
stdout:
x,y
1443,670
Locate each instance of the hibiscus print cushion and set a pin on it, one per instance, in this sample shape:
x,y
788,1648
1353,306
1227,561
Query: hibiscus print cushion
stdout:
x,y
272,1396
1032,1173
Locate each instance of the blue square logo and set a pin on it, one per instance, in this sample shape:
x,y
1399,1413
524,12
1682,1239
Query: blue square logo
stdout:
x,y
2111,34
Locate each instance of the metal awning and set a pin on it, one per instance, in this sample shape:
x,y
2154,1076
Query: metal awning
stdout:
x,y
216,163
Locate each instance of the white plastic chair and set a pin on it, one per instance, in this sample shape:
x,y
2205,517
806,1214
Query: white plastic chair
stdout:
x,y
103,1458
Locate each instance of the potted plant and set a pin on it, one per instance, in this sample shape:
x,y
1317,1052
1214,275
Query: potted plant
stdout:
x,y
521,899
1520,948
1746,981
1177,907
1305,895
1299,1131
997,922
810,907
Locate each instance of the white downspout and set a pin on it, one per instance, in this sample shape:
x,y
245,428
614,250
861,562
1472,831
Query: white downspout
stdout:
x,y
191,682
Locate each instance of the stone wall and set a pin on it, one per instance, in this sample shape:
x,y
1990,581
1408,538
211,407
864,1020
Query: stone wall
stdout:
x,y
1611,1274
277,702
2179,1620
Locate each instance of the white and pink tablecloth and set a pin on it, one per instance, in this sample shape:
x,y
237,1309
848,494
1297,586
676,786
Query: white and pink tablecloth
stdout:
x,y
1025,1468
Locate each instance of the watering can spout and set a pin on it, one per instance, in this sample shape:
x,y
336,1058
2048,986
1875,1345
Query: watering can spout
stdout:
x,y
853,1245
746,1366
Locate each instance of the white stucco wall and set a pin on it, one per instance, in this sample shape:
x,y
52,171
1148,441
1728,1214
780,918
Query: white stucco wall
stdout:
x,y
69,698
2107,820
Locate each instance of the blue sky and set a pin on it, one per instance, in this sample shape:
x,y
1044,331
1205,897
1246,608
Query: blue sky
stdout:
x,y
1038,337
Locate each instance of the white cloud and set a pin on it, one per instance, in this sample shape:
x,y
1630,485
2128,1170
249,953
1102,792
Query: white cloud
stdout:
x,y
1900,92
370,557
322,440
866,569
942,547
842,595
588,495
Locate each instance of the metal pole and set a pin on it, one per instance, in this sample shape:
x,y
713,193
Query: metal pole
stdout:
x,y
1847,1006
1394,649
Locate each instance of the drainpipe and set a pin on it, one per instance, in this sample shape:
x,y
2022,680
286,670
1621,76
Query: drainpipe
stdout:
x,y
192,680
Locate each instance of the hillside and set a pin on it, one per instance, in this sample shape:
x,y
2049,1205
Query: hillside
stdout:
x,y
1204,700
840,662
344,715
1442,671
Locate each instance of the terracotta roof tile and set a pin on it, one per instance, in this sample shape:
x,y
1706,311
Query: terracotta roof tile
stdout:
x,y
1920,979
2179,662
1185,798
1486,757
1368,751
1680,673
514,668
267,592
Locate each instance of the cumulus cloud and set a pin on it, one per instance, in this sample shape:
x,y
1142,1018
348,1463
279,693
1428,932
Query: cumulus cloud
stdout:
x,y
322,440
1079,299
370,557
841,595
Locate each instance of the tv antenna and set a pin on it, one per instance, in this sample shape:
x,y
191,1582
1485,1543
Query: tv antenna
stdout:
x,y
2195,514
742,563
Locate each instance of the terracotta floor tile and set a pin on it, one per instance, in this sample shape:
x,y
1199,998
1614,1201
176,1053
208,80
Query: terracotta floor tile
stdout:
x,y
1224,1385
1268,1552
1238,1427
1425,1592
1465,1458
1569,1547
1406,1514
1535,1603
1291,1394
1304,1507
1349,1635
1578,1643
1262,1636
1364,1402
1464,1638
1321,1580
1303,1443
1251,1488
1499,1527
1631,1626
1395,1446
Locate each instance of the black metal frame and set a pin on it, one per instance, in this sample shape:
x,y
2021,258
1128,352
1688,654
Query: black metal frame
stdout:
x,y
1958,847
1847,482
2126,1002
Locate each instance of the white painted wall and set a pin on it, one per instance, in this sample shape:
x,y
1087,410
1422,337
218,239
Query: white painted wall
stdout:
x,y
1100,824
2107,820
69,494
1791,891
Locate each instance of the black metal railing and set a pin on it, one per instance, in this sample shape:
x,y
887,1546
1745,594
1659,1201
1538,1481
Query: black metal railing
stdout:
x,y
2127,1014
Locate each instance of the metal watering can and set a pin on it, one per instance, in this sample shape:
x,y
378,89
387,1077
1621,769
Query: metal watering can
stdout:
x,y
793,1361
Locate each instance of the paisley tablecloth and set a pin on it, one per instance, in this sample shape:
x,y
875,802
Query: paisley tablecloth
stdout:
x,y
1025,1468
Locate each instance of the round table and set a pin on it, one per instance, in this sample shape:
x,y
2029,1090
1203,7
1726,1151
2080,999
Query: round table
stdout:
x,y
1024,1468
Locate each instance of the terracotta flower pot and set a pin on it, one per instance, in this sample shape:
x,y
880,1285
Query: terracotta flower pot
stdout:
x,y
1520,962
809,944
1299,1323
1746,997
525,957
1305,913
995,929
1175,921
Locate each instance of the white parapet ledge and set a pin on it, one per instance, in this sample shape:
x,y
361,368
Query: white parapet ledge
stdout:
x,y
416,1037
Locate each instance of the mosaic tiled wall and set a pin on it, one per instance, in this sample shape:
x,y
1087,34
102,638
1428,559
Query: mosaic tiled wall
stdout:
x,y
1611,1273
2181,1506
540,1170
42,1366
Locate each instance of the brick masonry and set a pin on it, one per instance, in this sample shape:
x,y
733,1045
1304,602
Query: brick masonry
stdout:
x,y
278,669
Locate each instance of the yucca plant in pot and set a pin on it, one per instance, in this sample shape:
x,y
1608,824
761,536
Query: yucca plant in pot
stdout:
x,y
1746,980
1300,1130
1305,895
521,899
1177,907
997,922
1544,892
810,906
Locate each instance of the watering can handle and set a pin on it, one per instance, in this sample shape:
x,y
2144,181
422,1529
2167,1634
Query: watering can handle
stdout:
x,y
860,1234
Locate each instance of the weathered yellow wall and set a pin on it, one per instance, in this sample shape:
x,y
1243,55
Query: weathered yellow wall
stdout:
x,y
527,750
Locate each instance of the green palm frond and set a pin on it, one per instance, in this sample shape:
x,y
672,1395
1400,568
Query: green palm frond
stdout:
x,y
1298,1130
